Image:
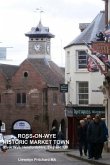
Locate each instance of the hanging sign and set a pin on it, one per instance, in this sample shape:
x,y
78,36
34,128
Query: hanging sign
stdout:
x,y
63,88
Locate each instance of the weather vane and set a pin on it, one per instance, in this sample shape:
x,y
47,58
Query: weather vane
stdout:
x,y
40,11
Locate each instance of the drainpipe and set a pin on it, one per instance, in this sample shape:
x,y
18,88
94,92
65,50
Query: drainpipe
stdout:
x,y
106,13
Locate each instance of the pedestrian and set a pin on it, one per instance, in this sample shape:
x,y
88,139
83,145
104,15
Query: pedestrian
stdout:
x,y
54,132
104,136
60,137
94,135
88,146
82,138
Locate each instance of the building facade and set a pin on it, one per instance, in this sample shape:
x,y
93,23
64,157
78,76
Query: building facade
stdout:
x,y
30,100
84,96
104,48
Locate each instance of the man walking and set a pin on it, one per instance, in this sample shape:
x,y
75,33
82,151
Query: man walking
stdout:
x,y
94,136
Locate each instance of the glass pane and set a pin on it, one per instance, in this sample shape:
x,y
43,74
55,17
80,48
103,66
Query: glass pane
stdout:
x,y
83,62
83,90
81,97
81,102
83,93
83,84
85,96
23,97
82,66
18,98
83,57
82,52
85,101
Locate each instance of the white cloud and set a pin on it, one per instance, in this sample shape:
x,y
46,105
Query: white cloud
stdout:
x,y
62,16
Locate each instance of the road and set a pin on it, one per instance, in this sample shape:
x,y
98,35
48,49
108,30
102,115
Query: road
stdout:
x,y
39,156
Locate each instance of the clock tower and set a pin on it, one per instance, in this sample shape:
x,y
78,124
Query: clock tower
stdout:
x,y
39,42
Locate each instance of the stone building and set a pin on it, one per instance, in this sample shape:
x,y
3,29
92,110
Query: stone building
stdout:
x,y
30,100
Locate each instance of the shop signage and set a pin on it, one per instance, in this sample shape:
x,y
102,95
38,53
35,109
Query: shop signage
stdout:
x,y
101,47
64,88
69,112
21,125
79,111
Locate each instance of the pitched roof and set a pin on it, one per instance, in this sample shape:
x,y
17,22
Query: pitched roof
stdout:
x,y
89,34
8,70
50,72
39,31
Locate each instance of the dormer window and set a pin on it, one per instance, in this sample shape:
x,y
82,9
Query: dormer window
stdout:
x,y
25,74
37,29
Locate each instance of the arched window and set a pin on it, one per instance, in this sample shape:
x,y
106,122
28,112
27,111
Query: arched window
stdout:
x,y
25,74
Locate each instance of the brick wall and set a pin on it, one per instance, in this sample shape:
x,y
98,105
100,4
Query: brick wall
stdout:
x,y
38,113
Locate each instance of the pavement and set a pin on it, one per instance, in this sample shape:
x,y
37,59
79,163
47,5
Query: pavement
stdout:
x,y
105,160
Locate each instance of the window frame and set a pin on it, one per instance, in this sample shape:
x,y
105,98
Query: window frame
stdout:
x,y
25,74
83,59
21,98
84,95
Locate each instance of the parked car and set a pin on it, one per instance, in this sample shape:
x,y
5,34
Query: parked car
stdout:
x,y
11,140
2,143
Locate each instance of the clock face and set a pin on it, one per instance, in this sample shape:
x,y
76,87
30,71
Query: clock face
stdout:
x,y
37,47
48,49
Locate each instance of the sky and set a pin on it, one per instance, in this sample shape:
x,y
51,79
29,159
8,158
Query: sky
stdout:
x,y
17,17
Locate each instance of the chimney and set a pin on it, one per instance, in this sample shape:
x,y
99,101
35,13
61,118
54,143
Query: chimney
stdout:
x,y
83,26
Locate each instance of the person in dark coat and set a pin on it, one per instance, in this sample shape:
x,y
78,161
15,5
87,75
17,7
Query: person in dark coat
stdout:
x,y
60,137
88,121
104,136
82,138
54,138
94,136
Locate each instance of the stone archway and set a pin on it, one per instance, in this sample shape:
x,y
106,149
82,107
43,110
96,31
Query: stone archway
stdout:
x,y
21,127
55,123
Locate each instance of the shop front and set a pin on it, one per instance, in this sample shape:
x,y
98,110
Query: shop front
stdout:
x,y
74,115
